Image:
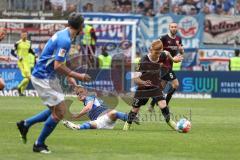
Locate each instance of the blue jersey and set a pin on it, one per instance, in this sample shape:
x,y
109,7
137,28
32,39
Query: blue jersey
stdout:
x,y
57,49
97,108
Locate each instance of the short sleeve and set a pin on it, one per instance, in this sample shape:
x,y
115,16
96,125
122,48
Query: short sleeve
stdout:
x,y
89,99
163,56
62,50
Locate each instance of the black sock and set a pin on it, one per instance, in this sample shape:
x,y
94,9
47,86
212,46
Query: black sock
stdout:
x,y
153,102
169,95
166,113
131,116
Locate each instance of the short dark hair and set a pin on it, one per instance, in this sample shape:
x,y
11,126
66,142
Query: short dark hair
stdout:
x,y
75,20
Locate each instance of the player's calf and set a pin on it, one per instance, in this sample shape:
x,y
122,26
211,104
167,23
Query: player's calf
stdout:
x,y
166,113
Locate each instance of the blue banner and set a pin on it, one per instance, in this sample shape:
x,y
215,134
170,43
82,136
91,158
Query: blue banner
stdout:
x,y
190,28
112,33
216,84
190,59
12,77
213,84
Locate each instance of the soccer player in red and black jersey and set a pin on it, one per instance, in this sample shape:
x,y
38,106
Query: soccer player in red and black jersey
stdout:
x,y
173,44
148,80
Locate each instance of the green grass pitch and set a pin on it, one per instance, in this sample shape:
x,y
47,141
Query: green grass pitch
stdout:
x,y
215,134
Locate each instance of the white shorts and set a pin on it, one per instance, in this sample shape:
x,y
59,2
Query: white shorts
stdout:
x,y
49,90
104,122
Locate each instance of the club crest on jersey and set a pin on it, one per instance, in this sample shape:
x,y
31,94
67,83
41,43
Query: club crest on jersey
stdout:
x,y
62,52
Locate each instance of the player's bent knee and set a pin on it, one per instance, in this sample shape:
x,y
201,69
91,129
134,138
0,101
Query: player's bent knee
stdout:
x,y
112,114
175,84
59,111
162,104
58,115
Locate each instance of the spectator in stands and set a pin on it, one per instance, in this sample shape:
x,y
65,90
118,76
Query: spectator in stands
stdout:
x,y
123,6
206,10
48,6
124,2
164,8
226,5
149,13
176,9
219,10
59,5
148,8
71,8
188,6
238,7
140,8
107,8
88,7
209,7
193,11
198,4
159,6
177,2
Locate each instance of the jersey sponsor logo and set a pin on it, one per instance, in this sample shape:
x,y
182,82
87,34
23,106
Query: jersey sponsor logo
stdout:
x,y
62,52
188,27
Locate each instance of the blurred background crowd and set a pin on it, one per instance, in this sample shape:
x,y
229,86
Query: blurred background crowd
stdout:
x,y
144,7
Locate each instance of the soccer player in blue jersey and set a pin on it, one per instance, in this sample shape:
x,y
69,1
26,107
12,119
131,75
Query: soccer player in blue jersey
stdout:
x,y
101,117
44,80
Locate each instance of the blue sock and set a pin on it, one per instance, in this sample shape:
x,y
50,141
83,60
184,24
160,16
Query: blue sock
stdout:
x,y
40,117
85,125
122,116
49,126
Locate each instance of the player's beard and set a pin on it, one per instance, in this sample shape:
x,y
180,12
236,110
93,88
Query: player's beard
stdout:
x,y
173,33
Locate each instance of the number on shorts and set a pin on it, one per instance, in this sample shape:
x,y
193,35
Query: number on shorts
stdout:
x,y
136,102
171,75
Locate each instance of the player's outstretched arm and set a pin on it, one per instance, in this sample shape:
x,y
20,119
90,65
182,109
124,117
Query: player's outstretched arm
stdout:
x,y
72,81
84,111
61,68
140,82
181,49
176,59
136,77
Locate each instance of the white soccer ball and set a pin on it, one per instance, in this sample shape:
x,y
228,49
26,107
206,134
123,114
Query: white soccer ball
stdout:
x,y
184,125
